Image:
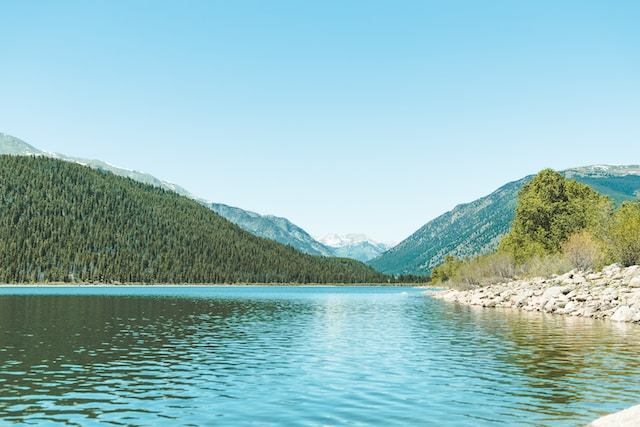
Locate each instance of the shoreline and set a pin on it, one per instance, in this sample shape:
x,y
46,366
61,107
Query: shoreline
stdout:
x,y
611,294
202,285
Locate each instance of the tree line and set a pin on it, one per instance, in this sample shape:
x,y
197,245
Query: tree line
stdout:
x,y
559,224
63,222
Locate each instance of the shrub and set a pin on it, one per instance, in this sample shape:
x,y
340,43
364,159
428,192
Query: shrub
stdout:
x,y
582,251
623,234
483,270
447,270
545,266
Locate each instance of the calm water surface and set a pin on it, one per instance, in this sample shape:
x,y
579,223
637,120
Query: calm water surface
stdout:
x,y
354,356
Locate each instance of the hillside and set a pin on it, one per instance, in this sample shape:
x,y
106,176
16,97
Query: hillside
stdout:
x,y
267,226
61,221
17,147
272,227
467,230
476,228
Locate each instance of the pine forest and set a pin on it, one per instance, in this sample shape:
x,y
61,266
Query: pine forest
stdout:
x,y
63,222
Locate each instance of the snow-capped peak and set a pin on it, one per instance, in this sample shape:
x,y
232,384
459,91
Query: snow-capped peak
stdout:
x,y
341,240
338,241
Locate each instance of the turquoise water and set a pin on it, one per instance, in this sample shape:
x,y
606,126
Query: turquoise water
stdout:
x,y
313,356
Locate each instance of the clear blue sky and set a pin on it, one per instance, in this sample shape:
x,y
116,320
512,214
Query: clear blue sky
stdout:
x,y
343,116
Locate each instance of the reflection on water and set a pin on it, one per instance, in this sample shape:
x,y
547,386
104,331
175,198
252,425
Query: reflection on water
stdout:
x,y
553,370
311,356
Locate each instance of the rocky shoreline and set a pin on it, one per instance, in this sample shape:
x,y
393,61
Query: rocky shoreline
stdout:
x,y
613,293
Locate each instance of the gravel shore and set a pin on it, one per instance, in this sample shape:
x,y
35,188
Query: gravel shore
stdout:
x,y
613,293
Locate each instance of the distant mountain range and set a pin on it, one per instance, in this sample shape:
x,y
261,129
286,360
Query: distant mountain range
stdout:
x,y
356,246
476,228
469,229
268,226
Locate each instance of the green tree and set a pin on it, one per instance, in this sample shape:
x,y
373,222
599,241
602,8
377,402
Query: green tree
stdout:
x,y
623,236
447,270
550,209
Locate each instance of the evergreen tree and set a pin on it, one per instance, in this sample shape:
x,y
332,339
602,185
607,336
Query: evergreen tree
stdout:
x,y
60,221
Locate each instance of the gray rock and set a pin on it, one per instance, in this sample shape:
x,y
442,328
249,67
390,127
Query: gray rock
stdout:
x,y
612,269
631,272
555,291
570,307
602,295
623,314
634,282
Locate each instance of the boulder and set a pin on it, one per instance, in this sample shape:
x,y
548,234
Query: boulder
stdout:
x,y
570,307
623,314
631,272
556,291
612,269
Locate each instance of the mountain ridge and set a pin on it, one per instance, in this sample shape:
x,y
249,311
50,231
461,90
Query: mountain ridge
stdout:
x,y
61,221
354,245
475,228
267,226
272,227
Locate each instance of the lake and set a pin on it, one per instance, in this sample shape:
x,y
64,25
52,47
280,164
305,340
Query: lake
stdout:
x,y
301,356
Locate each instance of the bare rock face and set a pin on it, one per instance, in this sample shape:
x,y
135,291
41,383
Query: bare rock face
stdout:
x,y
613,293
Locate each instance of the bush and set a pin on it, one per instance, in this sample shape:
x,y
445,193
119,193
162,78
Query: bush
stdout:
x,y
482,270
582,251
545,266
447,270
623,234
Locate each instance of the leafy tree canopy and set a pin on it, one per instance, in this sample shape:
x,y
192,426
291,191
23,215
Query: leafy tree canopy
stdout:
x,y
623,234
550,209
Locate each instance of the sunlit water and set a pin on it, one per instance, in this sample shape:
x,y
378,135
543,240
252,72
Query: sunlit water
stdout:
x,y
356,356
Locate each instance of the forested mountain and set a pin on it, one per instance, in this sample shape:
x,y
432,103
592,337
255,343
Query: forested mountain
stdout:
x,y
267,226
476,228
61,221
14,146
467,230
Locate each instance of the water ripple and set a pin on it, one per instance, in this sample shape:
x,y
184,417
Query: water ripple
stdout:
x,y
307,357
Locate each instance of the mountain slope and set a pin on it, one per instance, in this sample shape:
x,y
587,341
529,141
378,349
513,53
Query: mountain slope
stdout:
x,y
60,221
476,228
270,227
16,147
467,230
356,246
